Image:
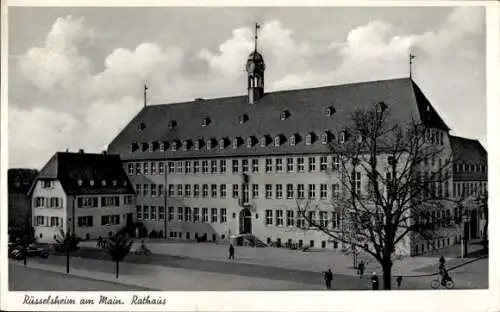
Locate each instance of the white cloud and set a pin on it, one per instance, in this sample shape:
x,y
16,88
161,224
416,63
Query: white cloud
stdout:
x,y
275,42
58,63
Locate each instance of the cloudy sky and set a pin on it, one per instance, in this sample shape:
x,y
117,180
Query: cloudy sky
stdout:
x,y
76,74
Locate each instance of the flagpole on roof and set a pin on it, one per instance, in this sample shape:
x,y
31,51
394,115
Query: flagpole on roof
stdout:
x,y
410,60
145,95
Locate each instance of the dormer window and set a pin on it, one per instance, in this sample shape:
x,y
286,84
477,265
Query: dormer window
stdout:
x,y
162,146
198,144
151,147
325,137
243,118
222,143
175,146
309,139
172,124
134,146
329,111
236,143
103,182
205,122
263,141
210,144
343,136
277,140
141,126
91,182
114,182
284,115
144,147
381,107
293,139
250,141
185,145
80,182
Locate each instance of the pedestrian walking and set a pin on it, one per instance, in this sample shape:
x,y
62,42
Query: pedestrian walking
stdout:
x,y
231,251
328,275
442,261
374,281
399,280
361,268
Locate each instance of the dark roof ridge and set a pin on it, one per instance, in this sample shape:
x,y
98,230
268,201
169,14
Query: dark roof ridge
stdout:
x,y
282,91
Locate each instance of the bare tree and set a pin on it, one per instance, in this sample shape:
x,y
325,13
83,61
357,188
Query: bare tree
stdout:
x,y
394,186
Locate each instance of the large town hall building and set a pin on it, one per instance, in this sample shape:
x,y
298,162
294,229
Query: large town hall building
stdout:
x,y
233,165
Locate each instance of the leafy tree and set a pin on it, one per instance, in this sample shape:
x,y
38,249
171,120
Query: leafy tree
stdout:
x,y
118,247
394,182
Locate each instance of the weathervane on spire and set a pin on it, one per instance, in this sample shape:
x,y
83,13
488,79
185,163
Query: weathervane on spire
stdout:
x,y
257,26
410,60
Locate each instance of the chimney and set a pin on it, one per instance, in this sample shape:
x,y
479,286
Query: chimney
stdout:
x,y
67,150
80,151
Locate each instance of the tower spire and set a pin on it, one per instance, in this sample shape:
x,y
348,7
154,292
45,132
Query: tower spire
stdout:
x,y
145,94
257,26
410,61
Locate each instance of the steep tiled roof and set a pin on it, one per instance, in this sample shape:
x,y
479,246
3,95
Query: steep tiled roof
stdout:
x,y
304,112
70,168
19,180
470,152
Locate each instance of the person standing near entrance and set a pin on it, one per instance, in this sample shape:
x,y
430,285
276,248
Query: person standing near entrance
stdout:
x,y
231,251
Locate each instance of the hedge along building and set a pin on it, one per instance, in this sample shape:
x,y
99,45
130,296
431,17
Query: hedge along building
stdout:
x,y
86,194
238,164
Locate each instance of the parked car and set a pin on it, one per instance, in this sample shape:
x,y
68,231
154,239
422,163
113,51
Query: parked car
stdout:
x,y
19,252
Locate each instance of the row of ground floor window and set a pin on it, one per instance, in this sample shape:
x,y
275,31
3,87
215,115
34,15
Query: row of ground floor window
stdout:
x,y
300,243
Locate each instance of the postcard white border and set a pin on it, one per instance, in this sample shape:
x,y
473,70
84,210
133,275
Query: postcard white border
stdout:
x,y
457,300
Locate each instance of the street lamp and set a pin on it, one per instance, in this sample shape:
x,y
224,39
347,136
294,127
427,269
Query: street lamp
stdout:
x,y
465,233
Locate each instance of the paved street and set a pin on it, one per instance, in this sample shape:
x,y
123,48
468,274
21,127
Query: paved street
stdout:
x,y
158,272
29,279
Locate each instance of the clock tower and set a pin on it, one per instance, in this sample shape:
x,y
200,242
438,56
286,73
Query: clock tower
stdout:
x,y
255,71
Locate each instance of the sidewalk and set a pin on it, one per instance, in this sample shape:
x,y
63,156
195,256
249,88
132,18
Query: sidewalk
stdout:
x,y
155,277
315,261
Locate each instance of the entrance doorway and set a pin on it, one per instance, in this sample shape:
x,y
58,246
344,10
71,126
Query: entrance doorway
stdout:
x,y
245,221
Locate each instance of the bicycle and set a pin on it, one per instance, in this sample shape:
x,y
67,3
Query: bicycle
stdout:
x,y
436,283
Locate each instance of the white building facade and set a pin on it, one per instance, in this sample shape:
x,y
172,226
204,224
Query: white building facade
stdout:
x,y
85,194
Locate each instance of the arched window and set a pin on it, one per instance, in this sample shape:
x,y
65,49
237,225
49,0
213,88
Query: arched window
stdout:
x,y
292,140
249,142
185,145
209,144
222,143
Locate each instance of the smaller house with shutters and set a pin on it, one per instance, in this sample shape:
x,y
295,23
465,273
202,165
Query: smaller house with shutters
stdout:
x,y
86,194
